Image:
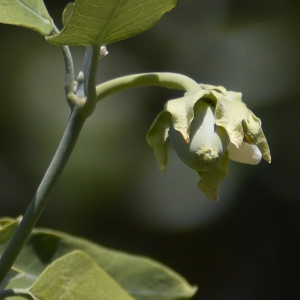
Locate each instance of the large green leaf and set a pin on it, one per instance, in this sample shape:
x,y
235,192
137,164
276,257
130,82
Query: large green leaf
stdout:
x,y
142,278
26,13
102,22
77,276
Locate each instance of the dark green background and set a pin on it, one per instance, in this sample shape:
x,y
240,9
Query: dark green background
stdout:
x,y
244,247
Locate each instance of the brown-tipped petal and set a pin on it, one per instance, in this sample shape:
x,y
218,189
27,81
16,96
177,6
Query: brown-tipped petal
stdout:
x,y
254,135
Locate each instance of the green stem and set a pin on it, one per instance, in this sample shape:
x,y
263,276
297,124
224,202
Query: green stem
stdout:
x,y
40,199
69,71
167,80
87,79
70,76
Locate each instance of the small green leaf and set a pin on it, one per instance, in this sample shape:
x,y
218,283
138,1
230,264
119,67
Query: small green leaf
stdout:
x,y
102,22
26,13
77,276
142,278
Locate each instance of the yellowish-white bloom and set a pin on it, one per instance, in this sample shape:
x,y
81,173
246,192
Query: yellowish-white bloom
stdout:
x,y
206,129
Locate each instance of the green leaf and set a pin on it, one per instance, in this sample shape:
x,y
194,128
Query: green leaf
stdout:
x,y
102,22
68,11
142,278
77,276
12,275
26,13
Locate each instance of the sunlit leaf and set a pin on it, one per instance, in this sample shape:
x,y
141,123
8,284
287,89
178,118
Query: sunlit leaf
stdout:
x,y
102,22
142,278
77,276
26,13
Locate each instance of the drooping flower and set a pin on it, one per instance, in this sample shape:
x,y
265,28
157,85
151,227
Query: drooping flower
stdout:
x,y
207,128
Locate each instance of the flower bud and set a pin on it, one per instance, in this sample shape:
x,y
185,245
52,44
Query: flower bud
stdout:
x,y
207,140
207,128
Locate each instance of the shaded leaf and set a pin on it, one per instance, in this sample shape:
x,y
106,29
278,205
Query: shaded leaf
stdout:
x,y
12,275
26,13
77,276
142,278
102,22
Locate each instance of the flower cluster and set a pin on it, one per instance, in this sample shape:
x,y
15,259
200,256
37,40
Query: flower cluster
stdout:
x,y
207,128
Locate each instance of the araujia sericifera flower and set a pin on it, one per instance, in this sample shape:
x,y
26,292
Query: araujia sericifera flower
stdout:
x,y
206,129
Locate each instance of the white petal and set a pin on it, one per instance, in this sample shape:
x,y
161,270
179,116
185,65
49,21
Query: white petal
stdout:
x,y
246,154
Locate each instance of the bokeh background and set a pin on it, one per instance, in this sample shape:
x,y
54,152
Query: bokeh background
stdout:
x,y
246,246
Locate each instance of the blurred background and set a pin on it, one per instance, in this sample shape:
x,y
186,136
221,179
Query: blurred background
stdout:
x,y
246,246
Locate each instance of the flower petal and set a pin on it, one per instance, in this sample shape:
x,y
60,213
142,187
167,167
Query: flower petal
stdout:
x,y
182,110
229,113
157,138
206,146
246,154
255,135
218,88
211,180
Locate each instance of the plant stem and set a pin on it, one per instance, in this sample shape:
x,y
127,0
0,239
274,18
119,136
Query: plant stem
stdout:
x,y
87,79
65,148
167,80
70,76
69,71
40,199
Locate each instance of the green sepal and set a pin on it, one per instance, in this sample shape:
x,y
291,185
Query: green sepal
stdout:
x,y
211,180
157,138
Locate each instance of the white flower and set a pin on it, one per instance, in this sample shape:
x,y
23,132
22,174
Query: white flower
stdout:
x,y
206,129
